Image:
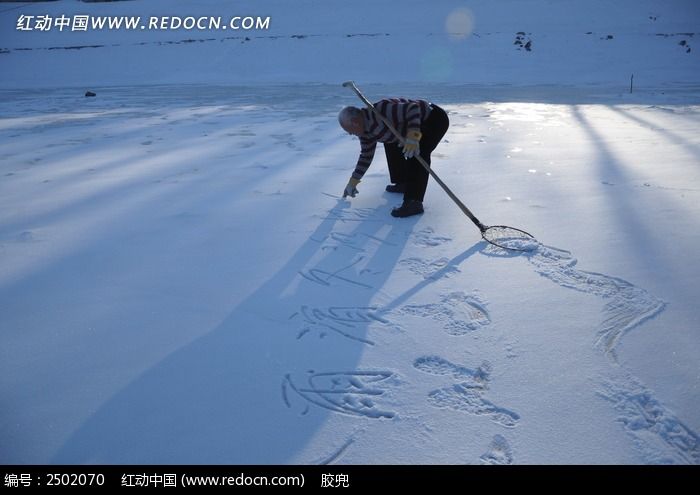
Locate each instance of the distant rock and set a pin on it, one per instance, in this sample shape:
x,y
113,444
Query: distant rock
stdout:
x,y
521,42
90,94
685,44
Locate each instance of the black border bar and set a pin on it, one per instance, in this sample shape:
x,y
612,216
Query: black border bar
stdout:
x,y
23,477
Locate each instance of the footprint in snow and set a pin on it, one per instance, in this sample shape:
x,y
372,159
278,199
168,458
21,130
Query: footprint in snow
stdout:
x,y
428,238
459,313
499,452
467,394
430,269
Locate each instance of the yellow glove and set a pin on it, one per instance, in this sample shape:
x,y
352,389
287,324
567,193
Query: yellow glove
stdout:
x,y
411,147
351,188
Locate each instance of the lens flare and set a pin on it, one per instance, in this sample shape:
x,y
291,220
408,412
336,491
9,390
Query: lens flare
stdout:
x,y
459,23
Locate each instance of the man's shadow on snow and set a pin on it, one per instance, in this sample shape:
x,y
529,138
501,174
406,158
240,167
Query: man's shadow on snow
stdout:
x,y
224,398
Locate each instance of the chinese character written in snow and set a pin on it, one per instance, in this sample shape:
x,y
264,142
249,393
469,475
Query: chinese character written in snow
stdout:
x,y
43,23
24,23
80,23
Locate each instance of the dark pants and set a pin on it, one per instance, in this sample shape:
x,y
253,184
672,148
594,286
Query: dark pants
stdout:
x,y
411,172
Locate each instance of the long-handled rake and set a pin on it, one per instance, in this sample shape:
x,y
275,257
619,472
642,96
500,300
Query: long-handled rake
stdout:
x,y
499,235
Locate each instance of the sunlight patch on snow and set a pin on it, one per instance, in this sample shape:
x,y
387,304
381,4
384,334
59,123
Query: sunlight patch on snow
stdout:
x,y
549,115
54,119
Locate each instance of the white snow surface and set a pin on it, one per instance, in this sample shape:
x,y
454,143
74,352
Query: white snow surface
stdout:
x,y
181,282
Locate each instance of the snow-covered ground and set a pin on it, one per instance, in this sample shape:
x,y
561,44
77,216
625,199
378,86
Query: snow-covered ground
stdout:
x,y
570,42
180,281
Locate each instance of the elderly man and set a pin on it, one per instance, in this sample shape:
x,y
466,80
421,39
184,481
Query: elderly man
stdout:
x,y
422,124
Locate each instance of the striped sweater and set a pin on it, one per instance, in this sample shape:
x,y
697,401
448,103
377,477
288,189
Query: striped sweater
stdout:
x,y
403,114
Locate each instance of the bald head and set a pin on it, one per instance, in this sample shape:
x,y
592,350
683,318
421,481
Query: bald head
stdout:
x,y
352,120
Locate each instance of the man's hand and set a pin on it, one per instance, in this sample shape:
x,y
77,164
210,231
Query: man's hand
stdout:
x,y
411,147
351,188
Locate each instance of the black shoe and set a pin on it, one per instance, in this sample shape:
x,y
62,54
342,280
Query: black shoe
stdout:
x,y
408,208
396,188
